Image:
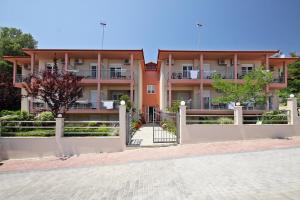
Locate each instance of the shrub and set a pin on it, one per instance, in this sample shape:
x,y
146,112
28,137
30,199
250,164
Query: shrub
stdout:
x,y
174,107
274,117
225,120
169,125
45,116
92,124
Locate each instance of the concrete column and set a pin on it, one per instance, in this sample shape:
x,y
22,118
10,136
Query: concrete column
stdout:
x,y
285,72
98,95
122,121
131,92
169,67
235,67
32,63
201,66
201,96
66,61
170,94
267,62
238,115
292,107
99,67
182,122
131,67
14,72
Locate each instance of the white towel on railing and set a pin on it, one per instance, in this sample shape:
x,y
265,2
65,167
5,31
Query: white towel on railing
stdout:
x,y
194,74
108,104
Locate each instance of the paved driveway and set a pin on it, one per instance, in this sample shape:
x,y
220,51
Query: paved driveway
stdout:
x,y
272,174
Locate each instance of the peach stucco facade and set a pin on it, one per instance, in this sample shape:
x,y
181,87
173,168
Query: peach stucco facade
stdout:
x,y
177,75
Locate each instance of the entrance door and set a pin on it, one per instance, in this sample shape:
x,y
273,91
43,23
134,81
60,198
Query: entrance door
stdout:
x,y
151,116
206,99
93,98
186,71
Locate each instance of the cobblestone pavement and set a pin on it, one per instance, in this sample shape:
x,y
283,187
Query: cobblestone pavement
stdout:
x,y
143,154
271,174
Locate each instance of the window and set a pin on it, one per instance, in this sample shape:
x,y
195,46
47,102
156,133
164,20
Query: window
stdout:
x,y
151,89
186,70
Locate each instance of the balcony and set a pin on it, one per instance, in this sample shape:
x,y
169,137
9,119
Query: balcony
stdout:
x,y
185,74
116,74
209,74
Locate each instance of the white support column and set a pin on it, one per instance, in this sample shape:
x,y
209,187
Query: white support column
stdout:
x,y
98,80
238,115
59,133
59,128
182,123
292,107
122,126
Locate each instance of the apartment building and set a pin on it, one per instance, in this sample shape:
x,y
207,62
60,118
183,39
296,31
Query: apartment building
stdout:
x,y
187,76
176,76
107,75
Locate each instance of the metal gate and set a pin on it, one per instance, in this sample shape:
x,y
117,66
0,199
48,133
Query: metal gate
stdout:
x,y
129,132
165,127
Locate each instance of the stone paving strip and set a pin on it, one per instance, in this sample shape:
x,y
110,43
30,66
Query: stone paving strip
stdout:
x,y
261,175
143,154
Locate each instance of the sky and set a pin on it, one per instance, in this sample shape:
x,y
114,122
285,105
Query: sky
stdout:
x,y
158,24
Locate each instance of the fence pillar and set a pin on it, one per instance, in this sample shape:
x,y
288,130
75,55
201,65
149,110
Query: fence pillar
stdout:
x,y
59,127
292,107
122,122
182,122
238,115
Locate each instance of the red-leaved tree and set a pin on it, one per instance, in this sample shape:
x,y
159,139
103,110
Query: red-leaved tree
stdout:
x,y
58,90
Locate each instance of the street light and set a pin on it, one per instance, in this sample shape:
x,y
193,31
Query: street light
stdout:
x,y
198,25
103,24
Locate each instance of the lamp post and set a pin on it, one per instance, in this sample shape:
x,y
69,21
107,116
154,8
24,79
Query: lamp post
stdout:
x,y
103,24
198,25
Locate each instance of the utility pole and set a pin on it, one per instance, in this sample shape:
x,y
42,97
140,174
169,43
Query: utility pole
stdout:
x,y
103,24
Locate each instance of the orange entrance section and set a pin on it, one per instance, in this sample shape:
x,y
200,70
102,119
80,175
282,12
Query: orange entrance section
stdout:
x,y
151,92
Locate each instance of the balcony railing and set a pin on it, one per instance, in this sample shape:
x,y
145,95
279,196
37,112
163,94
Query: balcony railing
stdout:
x,y
115,74
185,74
20,78
278,79
211,73
87,74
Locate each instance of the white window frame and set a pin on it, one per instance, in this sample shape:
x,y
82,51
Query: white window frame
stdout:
x,y
189,67
151,89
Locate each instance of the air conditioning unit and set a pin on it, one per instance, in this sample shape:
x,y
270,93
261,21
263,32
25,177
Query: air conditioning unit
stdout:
x,y
222,62
126,62
78,61
167,62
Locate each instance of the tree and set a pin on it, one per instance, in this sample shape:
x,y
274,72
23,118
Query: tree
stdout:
x,y
58,90
12,41
252,90
9,96
293,81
